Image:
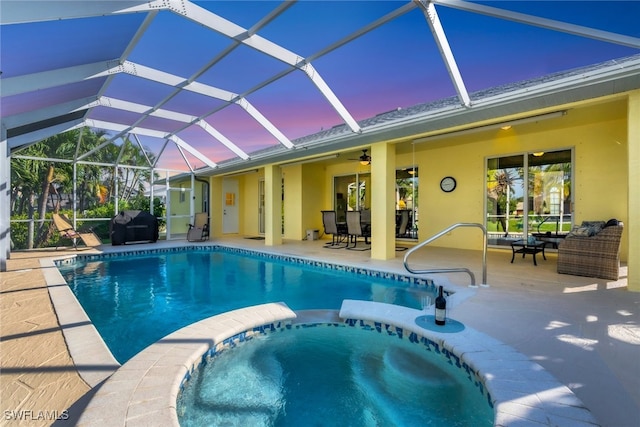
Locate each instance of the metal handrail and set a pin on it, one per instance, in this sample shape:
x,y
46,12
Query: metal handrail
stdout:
x,y
453,270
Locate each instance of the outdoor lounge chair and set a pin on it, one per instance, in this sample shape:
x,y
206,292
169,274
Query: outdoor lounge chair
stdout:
x,y
338,232
356,229
66,231
592,250
199,230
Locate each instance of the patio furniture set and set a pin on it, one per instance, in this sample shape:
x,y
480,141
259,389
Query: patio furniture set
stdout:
x,y
592,249
345,234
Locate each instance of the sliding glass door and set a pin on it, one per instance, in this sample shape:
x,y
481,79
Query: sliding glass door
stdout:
x,y
549,193
528,194
407,203
352,192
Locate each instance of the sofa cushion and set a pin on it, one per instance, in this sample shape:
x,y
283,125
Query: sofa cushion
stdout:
x,y
581,231
611,222
587,229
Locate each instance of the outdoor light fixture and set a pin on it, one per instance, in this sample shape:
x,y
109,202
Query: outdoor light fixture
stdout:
x,y
538,153
365,159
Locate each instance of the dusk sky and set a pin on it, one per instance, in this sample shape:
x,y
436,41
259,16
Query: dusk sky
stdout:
x,y
395,65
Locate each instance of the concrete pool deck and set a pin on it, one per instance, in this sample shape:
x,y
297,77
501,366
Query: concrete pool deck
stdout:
x,y
584,331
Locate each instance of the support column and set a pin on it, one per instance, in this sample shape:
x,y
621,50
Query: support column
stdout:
x,y
383,206
293,202
273,205
5,199
633,226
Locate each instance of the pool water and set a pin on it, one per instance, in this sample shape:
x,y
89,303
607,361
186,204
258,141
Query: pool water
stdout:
x,y
135,300
331,375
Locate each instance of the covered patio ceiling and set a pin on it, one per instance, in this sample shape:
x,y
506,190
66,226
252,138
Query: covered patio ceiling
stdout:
x,y
217,86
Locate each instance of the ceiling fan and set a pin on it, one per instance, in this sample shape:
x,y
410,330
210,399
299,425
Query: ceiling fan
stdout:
x,y
365,159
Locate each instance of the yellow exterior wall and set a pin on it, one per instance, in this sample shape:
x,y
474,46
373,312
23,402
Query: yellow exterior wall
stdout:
x,y
314,188
633,224
597,134
293,202
304,188
249,185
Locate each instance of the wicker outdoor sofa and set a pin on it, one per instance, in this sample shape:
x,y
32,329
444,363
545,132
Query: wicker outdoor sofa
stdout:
x,y
593,250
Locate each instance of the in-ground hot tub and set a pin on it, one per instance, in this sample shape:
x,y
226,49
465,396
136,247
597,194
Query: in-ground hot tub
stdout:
x,y
333,374
145,390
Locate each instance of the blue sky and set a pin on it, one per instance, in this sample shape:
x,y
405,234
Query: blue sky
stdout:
x,y
396,65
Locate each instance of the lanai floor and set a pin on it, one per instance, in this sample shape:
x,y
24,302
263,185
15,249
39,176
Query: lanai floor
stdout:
x,y
584,331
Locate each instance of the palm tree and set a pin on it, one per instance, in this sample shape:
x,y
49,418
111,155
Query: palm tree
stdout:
x,y
500,187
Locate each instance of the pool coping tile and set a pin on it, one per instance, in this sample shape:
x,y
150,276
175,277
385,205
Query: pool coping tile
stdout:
x,y
151,380
507,374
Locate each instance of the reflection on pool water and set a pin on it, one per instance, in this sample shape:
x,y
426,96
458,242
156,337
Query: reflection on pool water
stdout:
x,y
331,375
135,300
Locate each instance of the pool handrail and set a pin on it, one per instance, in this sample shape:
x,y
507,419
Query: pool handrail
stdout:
x,y
453,270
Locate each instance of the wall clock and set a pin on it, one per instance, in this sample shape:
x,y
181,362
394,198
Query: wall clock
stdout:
x,y
448,184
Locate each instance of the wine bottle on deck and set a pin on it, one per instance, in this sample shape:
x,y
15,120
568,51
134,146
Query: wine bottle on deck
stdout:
x,y
441,307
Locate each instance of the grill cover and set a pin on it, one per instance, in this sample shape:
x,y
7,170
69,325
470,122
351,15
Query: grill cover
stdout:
x,y
133,226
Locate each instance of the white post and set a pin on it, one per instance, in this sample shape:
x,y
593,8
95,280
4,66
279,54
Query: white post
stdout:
x,y
168,205
192,197
116,203
151,192
5,199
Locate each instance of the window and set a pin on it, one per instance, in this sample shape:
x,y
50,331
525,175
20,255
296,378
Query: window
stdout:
x,y
528,194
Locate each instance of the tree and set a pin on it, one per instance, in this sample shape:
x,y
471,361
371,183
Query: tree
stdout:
x,y
38,186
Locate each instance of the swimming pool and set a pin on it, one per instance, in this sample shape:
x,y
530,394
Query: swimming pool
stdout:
x,y
341,374
162,368
135,300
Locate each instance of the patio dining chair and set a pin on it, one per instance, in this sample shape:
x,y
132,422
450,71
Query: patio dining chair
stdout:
x,y
199,230
356,230
404,223
337,231
66,231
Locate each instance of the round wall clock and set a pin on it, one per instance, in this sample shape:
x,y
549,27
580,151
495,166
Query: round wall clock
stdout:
x,y
448,184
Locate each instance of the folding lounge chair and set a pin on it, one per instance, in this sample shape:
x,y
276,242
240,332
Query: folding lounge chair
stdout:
x,y
66,231
199,230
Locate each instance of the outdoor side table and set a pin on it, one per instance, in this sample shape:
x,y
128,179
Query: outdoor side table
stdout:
x,y
524,247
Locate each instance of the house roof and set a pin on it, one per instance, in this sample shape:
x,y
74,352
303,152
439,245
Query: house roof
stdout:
x,y
222,86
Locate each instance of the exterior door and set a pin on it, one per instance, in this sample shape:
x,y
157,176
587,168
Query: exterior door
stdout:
x,y
230,212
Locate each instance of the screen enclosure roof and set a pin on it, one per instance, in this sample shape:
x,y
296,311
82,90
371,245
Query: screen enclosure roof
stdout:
x,y
217,86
